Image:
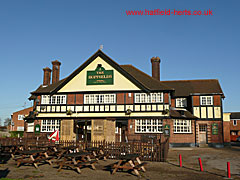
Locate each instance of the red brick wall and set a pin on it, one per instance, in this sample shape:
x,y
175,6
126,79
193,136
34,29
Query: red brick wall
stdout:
x,y
173,103
217,100
120,98
235,128
174,138
180,137
166,98
129,100
226,130
79,98
217,138
71,99
20,122
196,101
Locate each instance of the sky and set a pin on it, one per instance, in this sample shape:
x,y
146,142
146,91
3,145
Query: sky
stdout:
x,y
35,32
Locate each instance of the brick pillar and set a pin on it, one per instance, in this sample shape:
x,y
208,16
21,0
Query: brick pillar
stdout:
x,y
46,76
55,71
156,67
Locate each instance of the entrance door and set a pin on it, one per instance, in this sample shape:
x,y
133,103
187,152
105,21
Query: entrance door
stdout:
x,y
203,133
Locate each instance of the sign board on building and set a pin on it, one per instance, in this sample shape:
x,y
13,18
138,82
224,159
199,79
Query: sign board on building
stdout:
x,y
37,128
215,129
100,76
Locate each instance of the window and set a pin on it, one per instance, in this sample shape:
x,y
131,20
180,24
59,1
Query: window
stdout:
x,y
50,125
148,98
234,122
182,126
55,99
181,102
148,126
99,98
206,100
20,117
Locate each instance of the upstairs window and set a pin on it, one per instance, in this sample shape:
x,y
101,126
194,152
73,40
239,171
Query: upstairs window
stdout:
x,y
20,117
55,99
234,122
99,98
148,98
181,102
206,100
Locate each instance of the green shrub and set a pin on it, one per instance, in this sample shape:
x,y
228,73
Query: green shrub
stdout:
x,y
15,133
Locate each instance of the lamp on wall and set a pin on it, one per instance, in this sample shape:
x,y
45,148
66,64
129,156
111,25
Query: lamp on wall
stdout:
x,y
128,111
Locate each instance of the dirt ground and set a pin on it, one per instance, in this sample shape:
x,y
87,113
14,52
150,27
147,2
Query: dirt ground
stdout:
x,y
214,165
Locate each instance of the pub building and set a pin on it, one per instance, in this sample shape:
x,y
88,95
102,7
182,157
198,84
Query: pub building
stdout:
x,y
102,100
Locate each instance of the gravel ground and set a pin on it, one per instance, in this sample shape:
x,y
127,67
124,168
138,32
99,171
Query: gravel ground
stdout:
x,y
214,164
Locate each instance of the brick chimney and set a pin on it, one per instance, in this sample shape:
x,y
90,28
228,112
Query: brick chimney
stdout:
x,y
55,71
46,76
156,67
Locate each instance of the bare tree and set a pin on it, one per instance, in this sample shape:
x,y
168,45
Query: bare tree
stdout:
x,y
7,121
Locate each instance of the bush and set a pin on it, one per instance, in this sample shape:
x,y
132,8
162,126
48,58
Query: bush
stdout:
x,y
15,133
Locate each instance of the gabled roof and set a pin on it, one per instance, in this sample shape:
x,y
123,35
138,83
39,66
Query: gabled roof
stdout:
x,y
137,77
145,79
191,87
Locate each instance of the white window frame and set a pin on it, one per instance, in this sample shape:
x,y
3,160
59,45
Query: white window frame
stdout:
x,y
99,98
182,126
55,99
50,125
148,125
206,100
181,102
235,122
20,117
148,98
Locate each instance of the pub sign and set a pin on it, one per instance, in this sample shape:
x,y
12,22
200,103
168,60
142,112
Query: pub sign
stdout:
x,y
100,76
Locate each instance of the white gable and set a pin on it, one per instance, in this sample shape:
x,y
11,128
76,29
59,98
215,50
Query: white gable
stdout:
x,y
79,82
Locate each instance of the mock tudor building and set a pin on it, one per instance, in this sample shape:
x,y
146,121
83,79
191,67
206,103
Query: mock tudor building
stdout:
x,y
102,100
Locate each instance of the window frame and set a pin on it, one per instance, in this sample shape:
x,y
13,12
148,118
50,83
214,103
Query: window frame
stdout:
x,y
99,99
47,125
22,117
234,122
148,97
181,103
182,126
55,99
151,126
205,99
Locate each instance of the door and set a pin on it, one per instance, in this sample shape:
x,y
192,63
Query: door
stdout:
x,y
203,133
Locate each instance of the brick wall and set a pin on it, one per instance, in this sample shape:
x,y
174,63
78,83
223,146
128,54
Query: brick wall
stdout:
x,y
79,98
20,123
196,101
71,99
129,100
226,130
235,128
217,100
120,98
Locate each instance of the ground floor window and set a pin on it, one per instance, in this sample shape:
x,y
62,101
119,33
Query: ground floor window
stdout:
x,y
148,125
50,125
182,126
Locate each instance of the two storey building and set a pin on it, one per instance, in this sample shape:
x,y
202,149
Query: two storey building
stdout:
x,y
102,100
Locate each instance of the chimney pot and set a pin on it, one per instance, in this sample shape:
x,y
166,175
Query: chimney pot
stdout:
x,y
56,71
46,76
156,67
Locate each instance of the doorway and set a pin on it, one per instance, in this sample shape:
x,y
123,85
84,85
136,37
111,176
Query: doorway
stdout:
x,y
203,133
83,130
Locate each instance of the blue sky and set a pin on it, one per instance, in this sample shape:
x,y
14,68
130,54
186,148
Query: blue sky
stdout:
x,y
33,33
